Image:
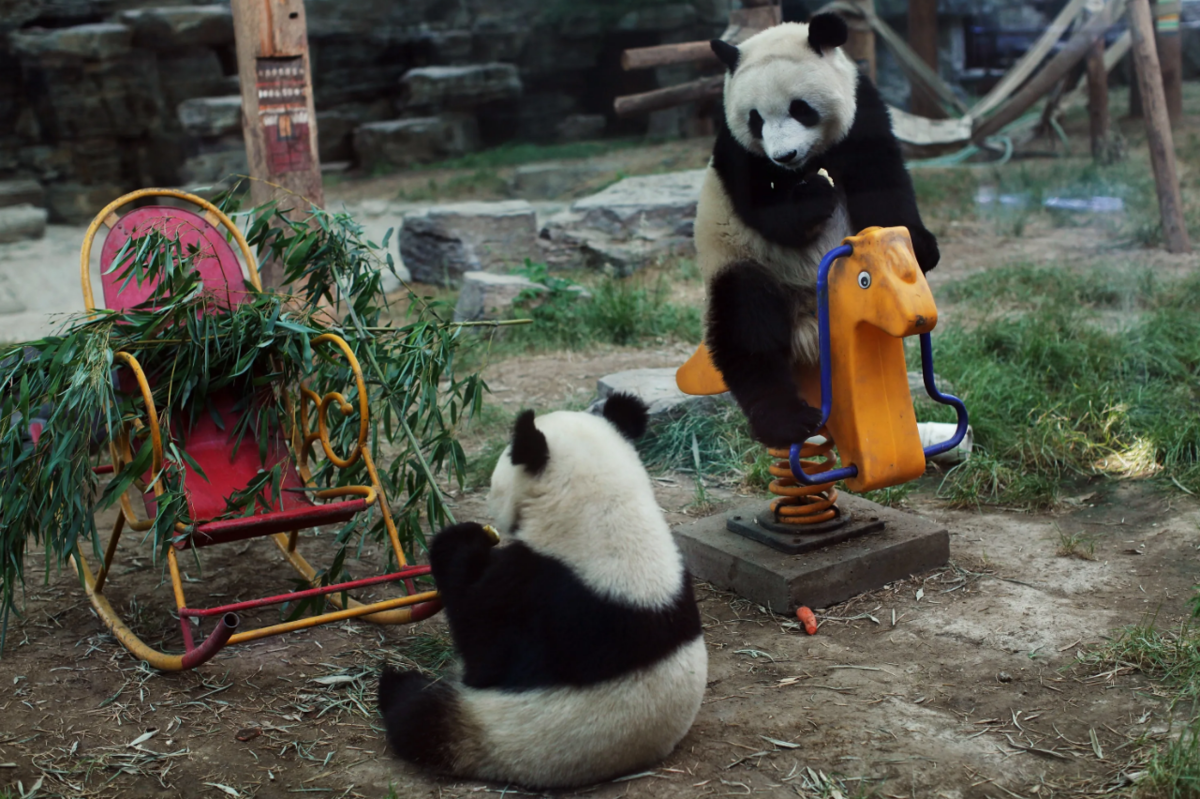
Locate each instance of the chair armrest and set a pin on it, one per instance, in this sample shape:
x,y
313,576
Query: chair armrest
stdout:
x,y
322,403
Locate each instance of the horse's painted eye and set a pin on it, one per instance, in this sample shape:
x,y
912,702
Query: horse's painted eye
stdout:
x,y
864,280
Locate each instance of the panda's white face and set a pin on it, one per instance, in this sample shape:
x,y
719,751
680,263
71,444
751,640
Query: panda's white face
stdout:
x,y
787,102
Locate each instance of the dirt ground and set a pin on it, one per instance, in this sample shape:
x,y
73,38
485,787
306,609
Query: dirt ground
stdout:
x,y
958,683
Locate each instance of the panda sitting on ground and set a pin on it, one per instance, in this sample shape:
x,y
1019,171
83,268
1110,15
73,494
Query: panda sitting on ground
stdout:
x,y
580,638
804,156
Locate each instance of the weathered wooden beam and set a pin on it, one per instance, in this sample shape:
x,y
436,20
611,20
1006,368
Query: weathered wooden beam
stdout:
x,y
1055,70
656,100
1097,84
1030,60
861,44
1158,126
667,54
922,38
279,122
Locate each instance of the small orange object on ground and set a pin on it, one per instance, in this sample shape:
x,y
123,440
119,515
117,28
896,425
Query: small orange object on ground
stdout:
x,y
807,618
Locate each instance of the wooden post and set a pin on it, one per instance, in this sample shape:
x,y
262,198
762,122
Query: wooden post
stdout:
x,y
1097,77
1170,55
922,38
278,118
1158,127
861,44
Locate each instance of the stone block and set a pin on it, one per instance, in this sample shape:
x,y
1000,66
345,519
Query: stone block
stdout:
x,y
211,116
581,127
97,41
188,73
663,203
81,99
485,296
21,191
550,180
659,18
168,28
406,142
462,87
656,388
216,162
908,544
440,244
77,204
22,222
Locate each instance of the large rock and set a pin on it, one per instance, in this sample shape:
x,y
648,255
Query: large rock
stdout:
x,y
80,99
167,28
21,191
211,116
76,204
97,41
440,244
407,142
460,87
17,13
190,72
216,162
549,180
656,388
662,203
21,222
485,296
581,127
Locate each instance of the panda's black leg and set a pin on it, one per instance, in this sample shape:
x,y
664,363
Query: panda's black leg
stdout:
x,y
750,317
458,558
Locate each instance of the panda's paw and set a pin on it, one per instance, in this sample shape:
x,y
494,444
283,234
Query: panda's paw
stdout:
x,y
781,424
925,248
815,200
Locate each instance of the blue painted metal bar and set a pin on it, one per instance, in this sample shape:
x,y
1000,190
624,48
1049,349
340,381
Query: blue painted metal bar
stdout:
x,y
946,399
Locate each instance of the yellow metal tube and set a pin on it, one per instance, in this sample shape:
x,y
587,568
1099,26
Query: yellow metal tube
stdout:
x,y
375,609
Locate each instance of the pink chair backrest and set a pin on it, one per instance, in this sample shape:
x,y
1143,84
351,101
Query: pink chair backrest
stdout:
x,y
215,260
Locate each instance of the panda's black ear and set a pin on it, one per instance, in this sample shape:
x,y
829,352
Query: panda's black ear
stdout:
x,y
529,447
826,31
628,414
728,53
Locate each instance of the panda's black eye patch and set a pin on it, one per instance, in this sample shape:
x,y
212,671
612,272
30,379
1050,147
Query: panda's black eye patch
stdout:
x,y
804,113
756,124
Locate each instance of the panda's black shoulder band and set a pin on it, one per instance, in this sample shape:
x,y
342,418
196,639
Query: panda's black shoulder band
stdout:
x,y
529,447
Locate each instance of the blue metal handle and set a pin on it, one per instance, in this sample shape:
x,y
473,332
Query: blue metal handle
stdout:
x,y
946,399
846,472
826,374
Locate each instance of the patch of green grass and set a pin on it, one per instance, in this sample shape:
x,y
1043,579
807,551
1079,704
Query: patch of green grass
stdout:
x,y
621,311
472,183
1172,768
1055,391
711,443
1076,545
1031,285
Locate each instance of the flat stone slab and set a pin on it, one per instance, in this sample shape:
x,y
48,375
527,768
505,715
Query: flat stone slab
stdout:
x,y
908,544
656,388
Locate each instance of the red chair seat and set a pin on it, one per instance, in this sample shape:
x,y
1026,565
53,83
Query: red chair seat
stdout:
x,y
227,473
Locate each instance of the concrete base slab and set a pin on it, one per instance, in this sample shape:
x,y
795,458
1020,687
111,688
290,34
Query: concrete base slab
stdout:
x,y
906,545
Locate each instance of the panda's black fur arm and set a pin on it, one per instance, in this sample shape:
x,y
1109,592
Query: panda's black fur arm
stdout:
x,y
749,328
784,206
529,622
869,168
458,557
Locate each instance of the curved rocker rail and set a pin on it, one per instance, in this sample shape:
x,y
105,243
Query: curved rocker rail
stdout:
x,y
846,472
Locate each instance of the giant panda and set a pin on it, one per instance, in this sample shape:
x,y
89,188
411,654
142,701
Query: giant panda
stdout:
x,y
579,636
804,156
